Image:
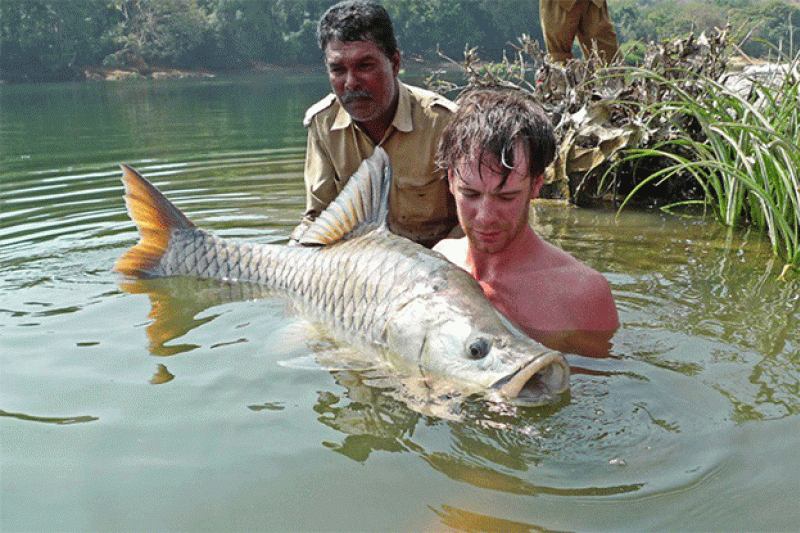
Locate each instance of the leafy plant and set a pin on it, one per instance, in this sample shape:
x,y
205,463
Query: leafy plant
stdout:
x,y
155,29
741,143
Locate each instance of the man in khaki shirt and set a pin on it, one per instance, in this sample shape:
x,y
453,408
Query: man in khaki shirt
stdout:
x,y
370,107
563,20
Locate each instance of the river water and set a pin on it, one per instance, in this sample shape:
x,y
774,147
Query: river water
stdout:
x,y
167,405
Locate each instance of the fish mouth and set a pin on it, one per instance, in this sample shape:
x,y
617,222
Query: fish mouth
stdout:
x,y
540,381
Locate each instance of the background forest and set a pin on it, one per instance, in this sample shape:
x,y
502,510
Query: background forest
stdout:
x,y
58,40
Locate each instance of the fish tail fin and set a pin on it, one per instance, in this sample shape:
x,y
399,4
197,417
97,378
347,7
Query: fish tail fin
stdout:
x,y
155,216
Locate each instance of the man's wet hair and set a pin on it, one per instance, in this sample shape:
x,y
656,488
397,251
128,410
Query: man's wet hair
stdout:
x,y
491,122
357,20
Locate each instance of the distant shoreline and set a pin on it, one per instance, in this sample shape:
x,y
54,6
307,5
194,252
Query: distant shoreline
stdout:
x,y
100,73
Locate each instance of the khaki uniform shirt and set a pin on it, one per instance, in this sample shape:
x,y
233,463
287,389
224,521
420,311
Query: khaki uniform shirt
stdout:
x,y
420,204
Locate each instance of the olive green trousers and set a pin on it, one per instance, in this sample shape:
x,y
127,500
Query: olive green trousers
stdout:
x,y
588,20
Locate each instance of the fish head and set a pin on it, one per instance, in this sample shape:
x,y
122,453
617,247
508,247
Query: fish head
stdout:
x,y
454,334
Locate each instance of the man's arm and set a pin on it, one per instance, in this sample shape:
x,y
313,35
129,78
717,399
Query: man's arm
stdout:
x,y
320,184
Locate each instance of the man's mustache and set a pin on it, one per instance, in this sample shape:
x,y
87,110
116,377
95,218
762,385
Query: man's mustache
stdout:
x,y
349,96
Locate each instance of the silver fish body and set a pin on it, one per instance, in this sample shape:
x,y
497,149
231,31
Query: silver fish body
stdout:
x,y
368,286
353,286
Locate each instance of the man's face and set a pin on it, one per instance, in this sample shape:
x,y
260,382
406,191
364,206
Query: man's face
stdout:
x,y
490,215
363,78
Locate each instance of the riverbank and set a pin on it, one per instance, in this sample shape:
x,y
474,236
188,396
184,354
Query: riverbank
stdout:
x,y
34,74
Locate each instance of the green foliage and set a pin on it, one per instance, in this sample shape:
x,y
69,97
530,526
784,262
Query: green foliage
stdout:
x,y
298,19
423,26
771,25
742,147
420,22
301,46
47,35
247,31
658,21
37,36
154,30
761,25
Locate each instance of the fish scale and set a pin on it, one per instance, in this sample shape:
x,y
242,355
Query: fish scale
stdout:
x,y
352,303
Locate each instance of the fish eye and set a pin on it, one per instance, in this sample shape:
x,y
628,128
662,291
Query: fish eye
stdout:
x,y
479,348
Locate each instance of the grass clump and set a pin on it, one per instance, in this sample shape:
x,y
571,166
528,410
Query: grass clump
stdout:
x,y
741,143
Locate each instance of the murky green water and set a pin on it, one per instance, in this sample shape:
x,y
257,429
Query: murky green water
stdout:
x,y
179,409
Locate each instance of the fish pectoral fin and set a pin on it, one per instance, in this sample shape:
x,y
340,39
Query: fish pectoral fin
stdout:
x,y
364,202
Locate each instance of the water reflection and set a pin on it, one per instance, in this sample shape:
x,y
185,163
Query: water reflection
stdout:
x,y
489,448
162,375
699,299
472,522
176,306
50,419
148,119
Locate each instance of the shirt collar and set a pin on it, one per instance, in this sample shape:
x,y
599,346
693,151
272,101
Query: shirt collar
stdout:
x,y
402,116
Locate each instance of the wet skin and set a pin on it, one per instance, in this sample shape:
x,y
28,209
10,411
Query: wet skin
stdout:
x,y
550,295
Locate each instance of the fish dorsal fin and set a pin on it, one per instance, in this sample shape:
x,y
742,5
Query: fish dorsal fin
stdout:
x,y
363,203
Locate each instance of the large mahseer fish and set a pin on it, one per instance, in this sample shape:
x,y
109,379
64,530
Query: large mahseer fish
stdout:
x,y
368,286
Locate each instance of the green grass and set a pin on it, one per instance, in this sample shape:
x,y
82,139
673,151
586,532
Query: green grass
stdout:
x,y
743,150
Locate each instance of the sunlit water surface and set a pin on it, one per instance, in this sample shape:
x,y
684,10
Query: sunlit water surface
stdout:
x,y
172,406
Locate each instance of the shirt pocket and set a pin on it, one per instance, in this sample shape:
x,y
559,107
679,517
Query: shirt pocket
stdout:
x,y
419,203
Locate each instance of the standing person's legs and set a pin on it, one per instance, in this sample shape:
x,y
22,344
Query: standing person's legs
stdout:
x,y
596,27
559,26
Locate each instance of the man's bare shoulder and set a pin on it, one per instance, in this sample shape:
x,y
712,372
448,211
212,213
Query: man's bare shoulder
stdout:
x,y
455,250
586,293
570,284
574,275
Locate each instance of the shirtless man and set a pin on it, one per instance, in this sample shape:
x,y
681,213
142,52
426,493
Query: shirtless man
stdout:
x,y
495,151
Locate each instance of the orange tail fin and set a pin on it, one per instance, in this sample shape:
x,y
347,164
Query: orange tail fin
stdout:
x,y
155,216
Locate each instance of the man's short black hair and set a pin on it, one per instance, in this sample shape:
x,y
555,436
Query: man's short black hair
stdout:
x,y
357,20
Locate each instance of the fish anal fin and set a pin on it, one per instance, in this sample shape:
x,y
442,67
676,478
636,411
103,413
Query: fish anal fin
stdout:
x,y
363,203
155,216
